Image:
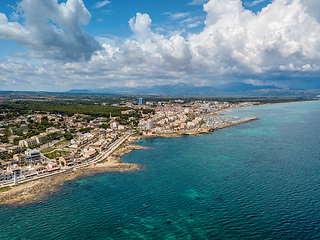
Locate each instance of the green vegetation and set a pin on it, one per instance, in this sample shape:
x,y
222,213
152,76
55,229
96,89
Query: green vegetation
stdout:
x,y
137,134
46,150
16,140
9,156
4,189
56,154
68,136
35,128
85,130
61,143
17,108
105,125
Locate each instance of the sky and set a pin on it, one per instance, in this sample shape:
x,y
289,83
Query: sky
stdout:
x,y
56,45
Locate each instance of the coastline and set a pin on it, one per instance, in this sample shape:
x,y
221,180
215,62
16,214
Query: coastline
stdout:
x,y
38,190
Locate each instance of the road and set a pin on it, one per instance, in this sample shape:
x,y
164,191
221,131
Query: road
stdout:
x,y
100,157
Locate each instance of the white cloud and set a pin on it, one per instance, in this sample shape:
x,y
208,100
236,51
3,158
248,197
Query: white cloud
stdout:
x,y
254,3
282,39
62,37
140,26
179,15
313,7
101,4
198,2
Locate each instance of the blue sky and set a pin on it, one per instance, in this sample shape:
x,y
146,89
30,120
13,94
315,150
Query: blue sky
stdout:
x,y
60,45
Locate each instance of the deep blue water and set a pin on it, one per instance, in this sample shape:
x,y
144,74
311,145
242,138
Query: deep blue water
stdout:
x,y
259,180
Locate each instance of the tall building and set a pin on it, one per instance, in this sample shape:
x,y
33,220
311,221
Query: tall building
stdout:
x,y
149,124
140,101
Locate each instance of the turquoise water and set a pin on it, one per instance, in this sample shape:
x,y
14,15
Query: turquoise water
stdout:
x,y
259,180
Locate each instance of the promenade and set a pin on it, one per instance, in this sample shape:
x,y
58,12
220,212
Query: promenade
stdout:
x,y
100,157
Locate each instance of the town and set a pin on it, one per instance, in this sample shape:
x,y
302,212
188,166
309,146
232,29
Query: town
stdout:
x,y
42,144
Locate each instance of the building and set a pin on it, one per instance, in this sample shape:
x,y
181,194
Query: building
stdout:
x,y
5,146
140,101
67,161
41,138
99,146
40,169
21,158
149,124
28,142
14,149
33,155
114,125
52,167
90,154
130,111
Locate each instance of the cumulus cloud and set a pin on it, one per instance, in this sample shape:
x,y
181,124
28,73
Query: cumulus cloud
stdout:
x,y
283,39
235,38
312,8
140,26
52,30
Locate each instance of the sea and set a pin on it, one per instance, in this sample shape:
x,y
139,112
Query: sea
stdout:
x,y
258,180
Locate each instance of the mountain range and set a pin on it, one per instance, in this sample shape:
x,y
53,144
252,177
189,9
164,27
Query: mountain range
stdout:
x,y
182,89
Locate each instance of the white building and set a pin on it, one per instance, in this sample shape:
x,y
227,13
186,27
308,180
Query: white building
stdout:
x,y
114,125
28,142
149,124
33,155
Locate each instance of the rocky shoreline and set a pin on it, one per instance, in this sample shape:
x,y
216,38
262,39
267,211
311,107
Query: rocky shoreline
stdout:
x,y
38,190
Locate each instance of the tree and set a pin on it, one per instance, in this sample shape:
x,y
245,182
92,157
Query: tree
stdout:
x,y
17,139
68,135
105,125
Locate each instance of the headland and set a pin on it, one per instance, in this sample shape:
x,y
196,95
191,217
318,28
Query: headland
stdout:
x,y
104,156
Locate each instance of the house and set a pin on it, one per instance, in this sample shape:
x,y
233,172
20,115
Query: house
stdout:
x,y
21,158
40,169
33,155
52,167
67,160
99,146
90,154
14,149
